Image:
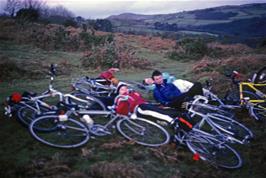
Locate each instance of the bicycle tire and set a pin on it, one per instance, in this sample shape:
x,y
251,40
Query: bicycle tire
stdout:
x,y
258,111
212,150
260,76
82,85
231,127
85,86
93,102
143,132
233,98
60,134
26,114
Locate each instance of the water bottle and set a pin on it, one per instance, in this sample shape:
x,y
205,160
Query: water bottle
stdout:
x,y
88,120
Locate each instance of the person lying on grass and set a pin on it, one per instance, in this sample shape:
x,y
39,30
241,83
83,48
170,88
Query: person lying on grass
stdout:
x,y
182,85
128,102
169,94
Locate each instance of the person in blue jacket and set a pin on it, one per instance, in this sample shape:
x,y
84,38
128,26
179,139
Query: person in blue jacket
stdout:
x,y
149,83
169,95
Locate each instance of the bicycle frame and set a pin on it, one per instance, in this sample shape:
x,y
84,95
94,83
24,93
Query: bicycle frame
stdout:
x,y
254,89
111,113
102,129
52,93
37,100
180,136
207,118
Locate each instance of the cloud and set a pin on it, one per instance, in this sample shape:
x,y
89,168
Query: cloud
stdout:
x,y
105,8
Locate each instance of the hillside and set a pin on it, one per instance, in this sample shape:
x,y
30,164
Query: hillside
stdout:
x,y
244,21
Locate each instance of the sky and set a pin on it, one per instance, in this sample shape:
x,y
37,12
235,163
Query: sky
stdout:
x,y
103,8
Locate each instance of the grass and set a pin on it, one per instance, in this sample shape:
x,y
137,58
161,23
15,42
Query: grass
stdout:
x,y
111,156
24,52
176,68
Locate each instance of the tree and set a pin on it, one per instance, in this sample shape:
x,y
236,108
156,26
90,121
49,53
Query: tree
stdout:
x,y
28,14
103,25
60,11
70,22
12,6
33,4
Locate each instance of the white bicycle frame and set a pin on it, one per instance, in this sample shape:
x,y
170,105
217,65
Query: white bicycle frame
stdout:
x,y
207,118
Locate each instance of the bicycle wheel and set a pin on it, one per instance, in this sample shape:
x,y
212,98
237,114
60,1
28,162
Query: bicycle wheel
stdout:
x,y
83,85
212,150
261,76
231,127
92,102
27,113
91,88
233,98
143,132
258,111
69,133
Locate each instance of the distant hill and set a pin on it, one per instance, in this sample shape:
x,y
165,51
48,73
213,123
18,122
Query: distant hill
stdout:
x,y
129,16
243,21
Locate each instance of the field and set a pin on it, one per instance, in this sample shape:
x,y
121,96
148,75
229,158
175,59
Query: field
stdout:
x,y
113,156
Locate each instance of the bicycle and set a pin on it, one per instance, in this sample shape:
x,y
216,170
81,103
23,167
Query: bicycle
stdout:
x,y
206,146
248,95
214,120
30,104
97,86
72,133
64,131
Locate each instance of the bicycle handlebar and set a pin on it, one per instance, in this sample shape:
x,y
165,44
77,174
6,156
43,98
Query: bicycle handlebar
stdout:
x,y
53,69
234,76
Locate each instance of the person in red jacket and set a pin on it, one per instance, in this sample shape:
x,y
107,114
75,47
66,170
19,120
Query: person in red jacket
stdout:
x,y
108,75
128,102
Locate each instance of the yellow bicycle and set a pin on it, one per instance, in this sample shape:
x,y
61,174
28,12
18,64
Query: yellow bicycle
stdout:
x,y
251,95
